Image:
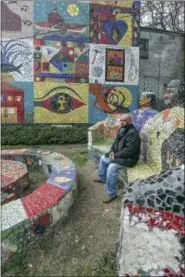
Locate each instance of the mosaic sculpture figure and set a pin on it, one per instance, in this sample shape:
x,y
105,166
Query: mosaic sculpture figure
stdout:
x,y
165,123
152,221
146,111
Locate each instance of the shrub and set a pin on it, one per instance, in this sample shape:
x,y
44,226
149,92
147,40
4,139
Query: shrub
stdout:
x,y
38,135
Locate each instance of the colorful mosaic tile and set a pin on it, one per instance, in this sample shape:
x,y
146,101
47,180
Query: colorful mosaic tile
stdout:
x,y
109,25
13,214
11,172
35,213
17,19
60,103
153,219
61,21
19,67
42,198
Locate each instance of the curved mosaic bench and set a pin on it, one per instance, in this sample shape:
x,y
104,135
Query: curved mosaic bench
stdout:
x,y
152,229
24,219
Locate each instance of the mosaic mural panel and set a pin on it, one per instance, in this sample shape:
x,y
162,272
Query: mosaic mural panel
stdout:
x,y
17,60
61,61
113,25
63,42
105,99
60,103
61,21
112,64
16,19
17,102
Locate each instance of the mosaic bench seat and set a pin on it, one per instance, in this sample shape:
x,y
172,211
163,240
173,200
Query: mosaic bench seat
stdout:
x,y
38,211
158,130
151,241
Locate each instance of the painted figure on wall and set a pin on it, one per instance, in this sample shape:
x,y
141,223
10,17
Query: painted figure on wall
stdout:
x,y
62,21
146,111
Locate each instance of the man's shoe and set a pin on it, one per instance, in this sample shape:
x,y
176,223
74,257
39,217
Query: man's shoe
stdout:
x,y
109,199
98,181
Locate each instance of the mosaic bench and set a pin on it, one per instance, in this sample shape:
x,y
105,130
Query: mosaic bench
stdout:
x,y
25,218
151,241
156,132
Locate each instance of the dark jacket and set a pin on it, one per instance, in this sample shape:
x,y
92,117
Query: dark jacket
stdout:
x,y
126,146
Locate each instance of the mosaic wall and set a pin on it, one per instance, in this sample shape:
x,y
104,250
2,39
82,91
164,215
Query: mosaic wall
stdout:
x,y
65,62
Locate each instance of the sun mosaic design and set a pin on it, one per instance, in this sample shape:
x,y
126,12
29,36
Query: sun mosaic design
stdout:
x,y
67,48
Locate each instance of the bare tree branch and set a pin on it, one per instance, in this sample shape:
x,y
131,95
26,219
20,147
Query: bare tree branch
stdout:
x,y
167,15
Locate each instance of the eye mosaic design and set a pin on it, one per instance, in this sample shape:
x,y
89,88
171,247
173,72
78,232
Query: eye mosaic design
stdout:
x,y
80,53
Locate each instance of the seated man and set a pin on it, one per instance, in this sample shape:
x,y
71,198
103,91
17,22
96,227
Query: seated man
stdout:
x,y
124,152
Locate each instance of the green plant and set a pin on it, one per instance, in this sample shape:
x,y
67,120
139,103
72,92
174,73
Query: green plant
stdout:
x,y
36,135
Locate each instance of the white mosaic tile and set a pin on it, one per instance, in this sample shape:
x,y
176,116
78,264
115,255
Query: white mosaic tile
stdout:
x,y
13,214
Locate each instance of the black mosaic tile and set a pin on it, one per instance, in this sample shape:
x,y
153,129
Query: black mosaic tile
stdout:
x,y
140,200
170,200
159,191
182,240
159,180
170,192
178,189
168,208
176,209
162,196
180,199
158,201
150,202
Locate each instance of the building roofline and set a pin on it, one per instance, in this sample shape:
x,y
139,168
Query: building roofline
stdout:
x,y
142,28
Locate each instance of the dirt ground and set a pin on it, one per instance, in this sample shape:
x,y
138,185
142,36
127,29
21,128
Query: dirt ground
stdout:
x,y
85,244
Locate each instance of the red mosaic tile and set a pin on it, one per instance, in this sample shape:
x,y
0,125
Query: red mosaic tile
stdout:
x,y
42,198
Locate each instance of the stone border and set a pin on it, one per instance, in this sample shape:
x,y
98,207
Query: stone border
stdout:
x,y
25,218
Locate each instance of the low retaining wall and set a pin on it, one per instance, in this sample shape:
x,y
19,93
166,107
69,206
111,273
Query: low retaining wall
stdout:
x,y
25,219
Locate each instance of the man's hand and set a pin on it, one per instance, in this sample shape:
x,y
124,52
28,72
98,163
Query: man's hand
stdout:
x,y
111,155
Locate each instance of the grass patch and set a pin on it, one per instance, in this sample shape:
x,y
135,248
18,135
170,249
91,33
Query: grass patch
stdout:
x,y
105,267
79,158
99,141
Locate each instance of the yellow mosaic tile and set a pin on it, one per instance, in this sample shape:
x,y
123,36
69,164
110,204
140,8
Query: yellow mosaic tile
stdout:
x,y
44,91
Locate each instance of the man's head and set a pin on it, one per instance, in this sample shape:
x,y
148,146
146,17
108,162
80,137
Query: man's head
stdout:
x,y
125,120
147,99
174,94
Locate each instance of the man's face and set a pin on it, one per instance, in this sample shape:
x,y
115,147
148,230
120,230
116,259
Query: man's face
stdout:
x,y
170,94
124,121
